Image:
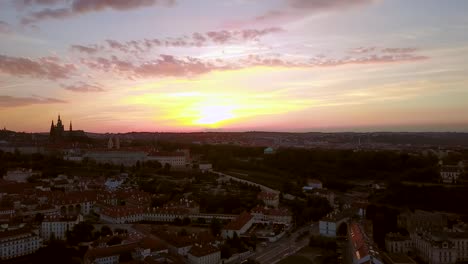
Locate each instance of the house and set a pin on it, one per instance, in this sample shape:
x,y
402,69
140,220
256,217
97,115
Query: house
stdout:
x,y
238,226
19,175
204,254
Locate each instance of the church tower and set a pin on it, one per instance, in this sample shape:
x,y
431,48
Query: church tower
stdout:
x,y
52,131
110,144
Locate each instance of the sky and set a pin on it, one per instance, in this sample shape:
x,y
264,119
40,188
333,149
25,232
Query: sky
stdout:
x,y
234,65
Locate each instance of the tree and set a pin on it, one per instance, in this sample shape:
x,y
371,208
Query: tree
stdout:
x,y
216,227
39,218
82,232
115,240
183,232
186,221
178,221
106,231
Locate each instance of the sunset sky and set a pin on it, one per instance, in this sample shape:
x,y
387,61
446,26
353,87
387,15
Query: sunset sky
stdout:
x,y
234,65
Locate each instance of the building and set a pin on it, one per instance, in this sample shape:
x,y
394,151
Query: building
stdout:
x,y
238,226
361,247
434,249
450,174
420,220
117,156
269,198
267,215
19,242
19,175
269,151
204,254
109,255
56,227
314,184
174,159
398,243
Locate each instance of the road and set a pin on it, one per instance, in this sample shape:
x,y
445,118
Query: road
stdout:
x,y
275,252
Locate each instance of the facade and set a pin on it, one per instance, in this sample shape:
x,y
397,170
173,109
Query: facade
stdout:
x,y
327,228
174,159
397,243
271,215
19,242
269,198
56,227
441,247
116,157
450,174
204,254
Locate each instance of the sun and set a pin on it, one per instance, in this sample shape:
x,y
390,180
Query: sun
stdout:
x,y
214,114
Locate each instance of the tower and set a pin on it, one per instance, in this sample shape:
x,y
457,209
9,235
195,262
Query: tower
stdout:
x,y
110,144
71,127
52,131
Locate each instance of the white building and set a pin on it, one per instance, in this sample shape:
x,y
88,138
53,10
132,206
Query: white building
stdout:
x,y
175,159
450,174
57,226
19,242
271,215
19,175
204,254
397,243
269,198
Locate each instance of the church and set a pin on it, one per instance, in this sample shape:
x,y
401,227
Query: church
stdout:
x,y
59,134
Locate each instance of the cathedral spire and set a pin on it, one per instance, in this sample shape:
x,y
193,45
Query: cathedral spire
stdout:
x,y
71,127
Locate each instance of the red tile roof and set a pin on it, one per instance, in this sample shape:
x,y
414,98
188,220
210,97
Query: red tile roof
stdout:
x,y
239,222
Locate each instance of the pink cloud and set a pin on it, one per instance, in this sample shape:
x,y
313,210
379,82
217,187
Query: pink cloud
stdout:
x,y
170,66
83,87
10,101
43,68
197,39
78,7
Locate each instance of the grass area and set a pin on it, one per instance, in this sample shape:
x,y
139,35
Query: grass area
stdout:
x,y
296,260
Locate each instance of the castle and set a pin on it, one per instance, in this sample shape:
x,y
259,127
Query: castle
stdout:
x,y
58,133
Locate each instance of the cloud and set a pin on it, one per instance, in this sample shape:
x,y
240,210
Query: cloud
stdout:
x,y
296,9
399,50
77,7
318,5
5,28
83,87
10,101
362,50
164,66
197,39
92,49
170,66
25,3
42,68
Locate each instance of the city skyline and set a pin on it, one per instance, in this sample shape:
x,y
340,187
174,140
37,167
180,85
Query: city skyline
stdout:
x,y
282,65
